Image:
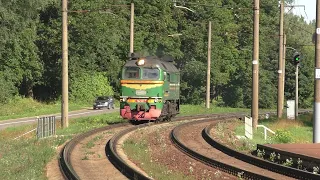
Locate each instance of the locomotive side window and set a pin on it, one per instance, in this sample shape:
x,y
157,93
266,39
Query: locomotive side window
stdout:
x,y
131,72
149,73
173,78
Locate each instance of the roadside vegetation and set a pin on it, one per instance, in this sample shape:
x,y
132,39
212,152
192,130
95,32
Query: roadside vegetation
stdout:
x,y
27,107
26,157
286,131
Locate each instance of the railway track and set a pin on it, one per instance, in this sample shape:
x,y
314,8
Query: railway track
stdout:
x,y
66,163
196,147
285,170
304,163
70,166
128,170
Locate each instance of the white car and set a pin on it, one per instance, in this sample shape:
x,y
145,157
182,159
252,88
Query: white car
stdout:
x,y
103,101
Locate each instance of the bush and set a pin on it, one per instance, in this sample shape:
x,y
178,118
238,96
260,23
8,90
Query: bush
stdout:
x,y
283,136
7,89
86,87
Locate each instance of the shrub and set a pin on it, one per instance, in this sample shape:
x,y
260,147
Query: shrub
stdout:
x,y
86,87
283,136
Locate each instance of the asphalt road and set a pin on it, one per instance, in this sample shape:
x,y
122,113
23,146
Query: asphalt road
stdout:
x,y
72,114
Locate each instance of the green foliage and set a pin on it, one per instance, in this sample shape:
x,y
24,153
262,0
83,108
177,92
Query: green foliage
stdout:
x,y
18,107
7,89
86,87
30,57
27,157
283,136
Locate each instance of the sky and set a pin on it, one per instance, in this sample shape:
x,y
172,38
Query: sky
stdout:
x,y
309,13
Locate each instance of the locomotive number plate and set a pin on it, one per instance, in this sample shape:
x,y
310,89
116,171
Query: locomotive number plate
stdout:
x,y
141,92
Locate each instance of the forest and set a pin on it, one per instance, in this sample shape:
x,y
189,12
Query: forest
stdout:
x,y
99,38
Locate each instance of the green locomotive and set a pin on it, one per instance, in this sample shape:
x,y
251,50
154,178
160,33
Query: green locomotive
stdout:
x,y
150,89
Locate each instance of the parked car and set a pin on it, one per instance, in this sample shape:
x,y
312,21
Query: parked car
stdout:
x,y
103,102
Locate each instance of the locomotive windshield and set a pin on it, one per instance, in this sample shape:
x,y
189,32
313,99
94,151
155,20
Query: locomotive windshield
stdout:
x,y
149,73
131,73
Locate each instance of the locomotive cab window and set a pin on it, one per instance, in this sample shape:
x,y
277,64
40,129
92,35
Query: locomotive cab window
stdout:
x,y
132,72
150,73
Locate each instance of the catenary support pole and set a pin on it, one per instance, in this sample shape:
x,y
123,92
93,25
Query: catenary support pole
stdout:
x,y
208,67
64,104
131,27
316,106
255,66
280,64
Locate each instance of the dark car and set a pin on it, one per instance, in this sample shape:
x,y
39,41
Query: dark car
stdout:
x,y
103,102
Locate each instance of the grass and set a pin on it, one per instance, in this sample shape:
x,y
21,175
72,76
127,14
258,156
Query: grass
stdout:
x,y
26,157
138,151
287,131
27,107
200,109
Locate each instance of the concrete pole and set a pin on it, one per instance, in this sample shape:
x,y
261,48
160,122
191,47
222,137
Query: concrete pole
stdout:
x,y
64,104
280,64
296,101
131,27
316,108
255,66
284,67
208,67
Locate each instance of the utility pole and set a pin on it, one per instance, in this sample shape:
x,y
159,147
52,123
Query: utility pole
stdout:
x,y
284,65
280,64
131,27
255,66
316,108
208,67
64,105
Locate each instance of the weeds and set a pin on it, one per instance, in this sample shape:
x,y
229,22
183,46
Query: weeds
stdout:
x,y
299,163
272,156
260,153
289,162
315,170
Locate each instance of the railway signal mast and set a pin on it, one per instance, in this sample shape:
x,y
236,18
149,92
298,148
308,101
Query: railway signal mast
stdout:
x,y
296,62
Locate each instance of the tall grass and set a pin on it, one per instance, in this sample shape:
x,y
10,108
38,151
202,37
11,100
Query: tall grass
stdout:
x,y
201,109
27,107
26,157
287,131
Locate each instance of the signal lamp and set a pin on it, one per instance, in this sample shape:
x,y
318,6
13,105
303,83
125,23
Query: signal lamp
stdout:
x,y
140,62
296,59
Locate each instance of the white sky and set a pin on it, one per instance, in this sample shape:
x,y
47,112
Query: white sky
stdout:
x,y
310,9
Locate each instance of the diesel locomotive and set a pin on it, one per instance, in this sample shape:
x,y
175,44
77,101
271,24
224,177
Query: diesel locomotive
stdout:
x,y
150,88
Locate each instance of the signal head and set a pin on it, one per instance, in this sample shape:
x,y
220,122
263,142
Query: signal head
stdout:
x,y
296,59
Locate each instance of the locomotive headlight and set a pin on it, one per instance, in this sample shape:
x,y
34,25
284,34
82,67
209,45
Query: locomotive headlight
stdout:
x,y
140,62
156,100
124,99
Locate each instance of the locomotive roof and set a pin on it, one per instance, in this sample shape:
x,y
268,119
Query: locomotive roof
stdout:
x,y
153,61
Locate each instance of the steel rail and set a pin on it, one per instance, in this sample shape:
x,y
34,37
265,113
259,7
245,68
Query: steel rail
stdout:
x,y
285,170
117,161
211,162
65,161
306,161
121,165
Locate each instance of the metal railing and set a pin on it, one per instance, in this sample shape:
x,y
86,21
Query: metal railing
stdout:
x,y
46,126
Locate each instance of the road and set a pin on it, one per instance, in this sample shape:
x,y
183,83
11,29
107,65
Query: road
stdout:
x,y
72,114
